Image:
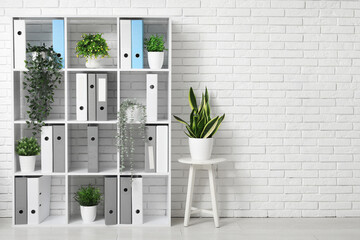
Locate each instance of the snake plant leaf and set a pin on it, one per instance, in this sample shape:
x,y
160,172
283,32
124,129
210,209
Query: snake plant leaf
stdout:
x,y
192,99
206,95
209,127
187,134
202,103
180,120
218,125
190,132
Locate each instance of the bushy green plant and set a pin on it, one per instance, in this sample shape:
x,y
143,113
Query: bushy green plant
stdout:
x,y
201,124
27,147
88,196
92,45
155,43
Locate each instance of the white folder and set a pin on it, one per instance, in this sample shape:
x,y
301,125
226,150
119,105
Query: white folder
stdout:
x,y
151,97
19,44
47,149
38,198
81,97
125,44
102,108
162,149
137,200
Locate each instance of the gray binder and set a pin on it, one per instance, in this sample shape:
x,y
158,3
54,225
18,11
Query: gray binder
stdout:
x,y
20,200
110,200
59,148
125,200
102,108
92,96
93,149
150,149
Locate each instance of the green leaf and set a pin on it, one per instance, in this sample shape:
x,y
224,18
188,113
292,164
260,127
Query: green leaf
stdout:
x,y
217,125
180,120
192,99
209,128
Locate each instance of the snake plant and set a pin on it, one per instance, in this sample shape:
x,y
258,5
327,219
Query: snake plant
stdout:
x,y
201,124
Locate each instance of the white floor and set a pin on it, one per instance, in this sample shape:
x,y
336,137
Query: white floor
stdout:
x,y
201,229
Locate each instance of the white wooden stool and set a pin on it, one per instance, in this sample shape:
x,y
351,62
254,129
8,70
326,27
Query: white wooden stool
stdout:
x,y
198,165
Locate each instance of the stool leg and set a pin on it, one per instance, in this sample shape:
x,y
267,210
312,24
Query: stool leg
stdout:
x,y
189,195
213,196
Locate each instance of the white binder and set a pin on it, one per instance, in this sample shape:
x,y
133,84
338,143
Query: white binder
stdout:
x,y
137,200
125,44
102,109
162,149
19,44
47,149
38,198
81,97
151,97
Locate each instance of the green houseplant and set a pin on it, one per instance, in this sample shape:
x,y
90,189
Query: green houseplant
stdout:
x,y
27,149
41,80
92,47
201,127
155,46
88,198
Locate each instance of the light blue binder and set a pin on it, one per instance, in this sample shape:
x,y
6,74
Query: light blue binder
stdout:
x,y
137,43
59,38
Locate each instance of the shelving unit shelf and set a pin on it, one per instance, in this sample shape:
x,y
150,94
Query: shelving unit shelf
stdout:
x,y
122,84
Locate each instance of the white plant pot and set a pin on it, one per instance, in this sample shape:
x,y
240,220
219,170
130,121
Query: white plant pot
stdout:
x,y
27,163
88,214
201,148
156,60
133,115
93,62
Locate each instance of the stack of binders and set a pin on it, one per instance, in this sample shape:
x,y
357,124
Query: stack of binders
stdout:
x,y
91,97
156,149
53,149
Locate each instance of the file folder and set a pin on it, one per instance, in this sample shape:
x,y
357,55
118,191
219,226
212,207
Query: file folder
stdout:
x,y
151,97
81,97
137,43
110,200
20,200
19,44
93,149
125,44
162,149
47,149
137,200
101,85
92,96
59,39
150,148
59,148
38,198
125,200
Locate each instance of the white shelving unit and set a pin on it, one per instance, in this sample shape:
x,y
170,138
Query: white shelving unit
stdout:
x,y
63,209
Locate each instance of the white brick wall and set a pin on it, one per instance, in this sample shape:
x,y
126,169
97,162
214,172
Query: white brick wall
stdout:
x,y
284,72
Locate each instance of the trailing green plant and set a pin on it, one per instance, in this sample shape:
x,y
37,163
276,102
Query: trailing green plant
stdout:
x,y
41,80
128,130
201,124
88,196
155,43
92,45
27,147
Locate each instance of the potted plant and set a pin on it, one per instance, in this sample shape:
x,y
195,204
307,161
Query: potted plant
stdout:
x,y
201,128
27,149
155,46
92,47
88,197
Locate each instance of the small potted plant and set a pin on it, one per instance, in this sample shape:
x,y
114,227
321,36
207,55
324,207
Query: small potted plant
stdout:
x,y
155,46
92,47
88,197
27,149
201,128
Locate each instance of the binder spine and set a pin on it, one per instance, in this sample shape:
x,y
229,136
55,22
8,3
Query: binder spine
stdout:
x,y
92,96
59,149
20,200
102,108
150,148
137,43
47,149
125,200
162,150
19,44
137,200
151,97
125,42
110,200
93,149
81,97
33,200
59,39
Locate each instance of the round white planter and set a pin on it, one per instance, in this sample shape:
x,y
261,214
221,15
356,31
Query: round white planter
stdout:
x,y
133,115
88,214
93,62
156,60
201,148
27,163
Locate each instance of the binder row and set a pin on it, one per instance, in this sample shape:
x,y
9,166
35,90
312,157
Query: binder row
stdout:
x,y
156,149
53,149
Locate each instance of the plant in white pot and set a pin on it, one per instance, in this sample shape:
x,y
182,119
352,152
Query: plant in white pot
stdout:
x,y
155,46
27,149
93,47
89,198
201,128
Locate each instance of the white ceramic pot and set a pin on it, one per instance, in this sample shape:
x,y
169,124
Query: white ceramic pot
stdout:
x,y
27,163
88,214
93,62
201,148
133,115
156,60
